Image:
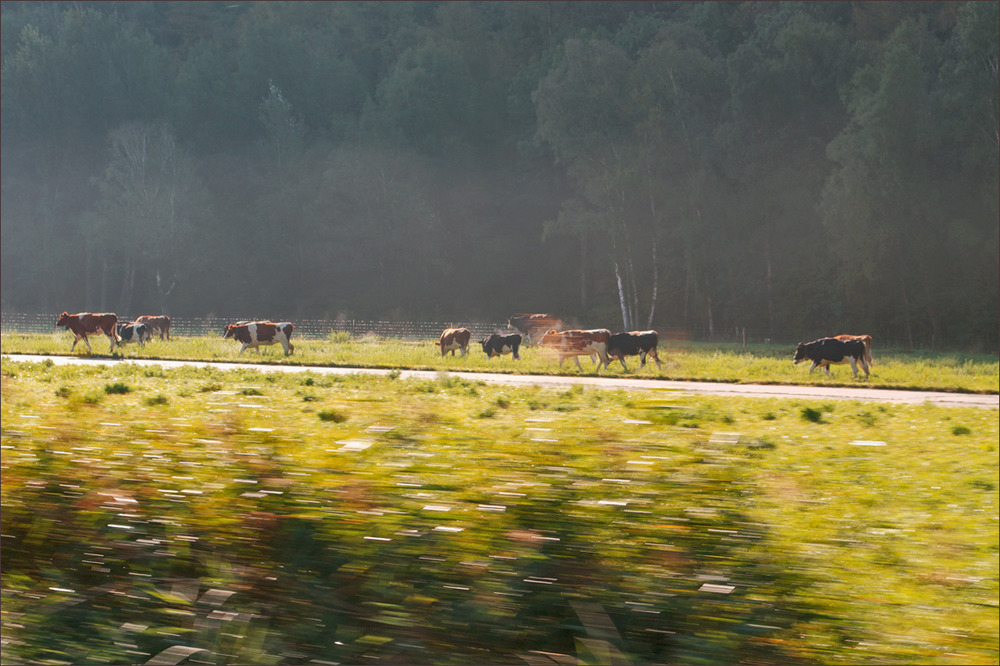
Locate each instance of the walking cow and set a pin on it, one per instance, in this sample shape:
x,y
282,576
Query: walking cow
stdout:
x,y
256,333
83,324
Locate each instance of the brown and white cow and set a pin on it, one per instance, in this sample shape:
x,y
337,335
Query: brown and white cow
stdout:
x,y
257,333
634,343
865,339
532,326
156,324
453,339
576,343
83,324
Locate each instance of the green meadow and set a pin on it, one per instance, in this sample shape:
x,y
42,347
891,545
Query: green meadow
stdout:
x,y
214,516
681,360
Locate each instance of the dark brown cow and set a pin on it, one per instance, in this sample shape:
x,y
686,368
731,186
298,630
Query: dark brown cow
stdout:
x,y
89,323
156,324
865,339
634,343
453,339
532,326
257,333
576,343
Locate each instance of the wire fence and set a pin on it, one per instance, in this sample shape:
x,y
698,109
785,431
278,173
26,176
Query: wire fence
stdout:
x,y
316,329
309,329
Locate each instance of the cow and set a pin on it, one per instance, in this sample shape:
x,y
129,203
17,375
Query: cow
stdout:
x,y
134,332
453,339
257,333
576,343
635,343
156,324
830,351
531,325
496,344
89,323
867,339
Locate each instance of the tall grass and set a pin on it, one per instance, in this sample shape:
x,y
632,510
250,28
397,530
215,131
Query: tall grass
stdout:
x,y
246,517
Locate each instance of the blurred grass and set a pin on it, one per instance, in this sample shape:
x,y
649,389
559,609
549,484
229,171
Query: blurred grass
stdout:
x,y
757,364
244,517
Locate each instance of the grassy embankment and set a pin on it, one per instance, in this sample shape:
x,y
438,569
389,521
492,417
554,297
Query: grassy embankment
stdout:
x,y
681,361
244,517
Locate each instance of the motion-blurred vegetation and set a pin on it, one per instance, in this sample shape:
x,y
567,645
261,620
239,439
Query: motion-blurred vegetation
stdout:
x,y
242,517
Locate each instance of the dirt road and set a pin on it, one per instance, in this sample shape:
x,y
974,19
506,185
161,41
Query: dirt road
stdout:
x,y
679,387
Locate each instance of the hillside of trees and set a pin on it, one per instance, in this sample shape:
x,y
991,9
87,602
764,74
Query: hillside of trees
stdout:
x,y
791,169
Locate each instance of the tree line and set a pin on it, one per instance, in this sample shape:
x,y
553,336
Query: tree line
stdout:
x,y
791,169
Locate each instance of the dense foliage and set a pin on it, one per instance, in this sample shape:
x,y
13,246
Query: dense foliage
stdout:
x,y
782,168
154,515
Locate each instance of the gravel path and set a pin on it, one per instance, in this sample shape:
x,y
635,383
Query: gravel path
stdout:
x,y
679,387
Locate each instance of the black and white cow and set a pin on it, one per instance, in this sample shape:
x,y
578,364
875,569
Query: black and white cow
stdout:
x,y
635,343
496,344
830,351
133,332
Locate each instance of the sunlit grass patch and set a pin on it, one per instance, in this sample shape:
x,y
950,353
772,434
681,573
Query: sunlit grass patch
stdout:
x,y
702,362
437,500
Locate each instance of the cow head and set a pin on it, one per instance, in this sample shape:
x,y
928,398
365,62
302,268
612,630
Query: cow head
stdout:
x,y
228,333
63,319
800,353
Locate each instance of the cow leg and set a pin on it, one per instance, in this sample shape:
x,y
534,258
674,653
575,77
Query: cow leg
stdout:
x,y
75,340
577,359
514,353
624,367
813,367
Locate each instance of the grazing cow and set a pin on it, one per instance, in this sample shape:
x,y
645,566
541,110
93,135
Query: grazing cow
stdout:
x,y
636,343
155,324
867,339
496,344
830,351
134,332
88,323
576,343
454,339
257,333
532,325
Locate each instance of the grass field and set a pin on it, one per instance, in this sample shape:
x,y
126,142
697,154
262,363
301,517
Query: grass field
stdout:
x,y
154,515
971,373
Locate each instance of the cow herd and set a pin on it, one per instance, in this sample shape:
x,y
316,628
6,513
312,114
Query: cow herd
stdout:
x,y
542,330
251,333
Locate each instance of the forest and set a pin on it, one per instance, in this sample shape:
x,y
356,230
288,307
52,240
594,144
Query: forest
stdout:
x,y
782,169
